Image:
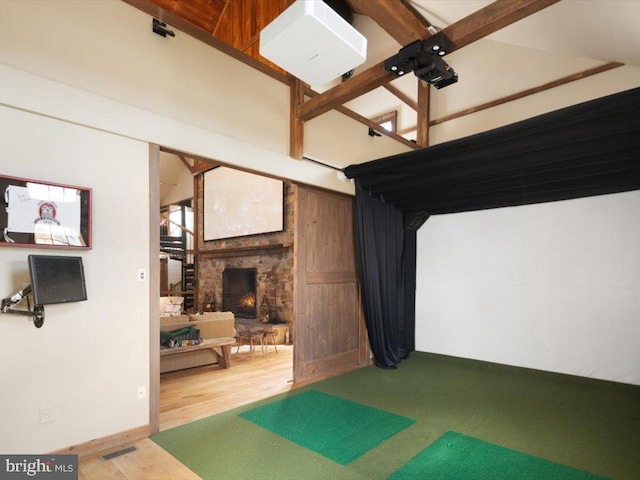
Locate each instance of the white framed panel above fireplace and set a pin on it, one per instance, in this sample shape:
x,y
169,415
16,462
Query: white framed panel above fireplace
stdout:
x,y
238,203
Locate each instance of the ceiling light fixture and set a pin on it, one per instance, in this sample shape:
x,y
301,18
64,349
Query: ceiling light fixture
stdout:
x,y
424,58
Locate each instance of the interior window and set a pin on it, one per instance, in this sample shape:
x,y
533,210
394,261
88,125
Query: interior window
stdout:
x,y
388,121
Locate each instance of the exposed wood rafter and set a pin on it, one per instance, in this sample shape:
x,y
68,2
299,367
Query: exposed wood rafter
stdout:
x,y
406,130
405,25
524,93
529,91
198,166
404,98
362,83
244,47
394,17
202,166
223,25
185,25
186,163
375,126
364,120
490,19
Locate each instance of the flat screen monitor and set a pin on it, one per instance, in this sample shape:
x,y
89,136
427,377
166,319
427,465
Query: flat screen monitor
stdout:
x,y
56,279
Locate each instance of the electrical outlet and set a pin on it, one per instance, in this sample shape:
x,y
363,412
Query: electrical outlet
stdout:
x,y
46,414
142,392
142,275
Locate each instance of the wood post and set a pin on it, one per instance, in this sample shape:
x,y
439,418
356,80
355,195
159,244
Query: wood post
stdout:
x,y
422,138
296,125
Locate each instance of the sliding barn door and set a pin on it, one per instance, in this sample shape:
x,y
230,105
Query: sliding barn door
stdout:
x,y
329,330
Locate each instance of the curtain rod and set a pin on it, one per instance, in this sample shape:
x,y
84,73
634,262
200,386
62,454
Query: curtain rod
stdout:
x,y
323,164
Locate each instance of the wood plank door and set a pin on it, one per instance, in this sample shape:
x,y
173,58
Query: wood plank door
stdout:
x,y
329,334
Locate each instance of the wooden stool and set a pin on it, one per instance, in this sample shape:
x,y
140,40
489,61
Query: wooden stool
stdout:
x,y
250,337
267,334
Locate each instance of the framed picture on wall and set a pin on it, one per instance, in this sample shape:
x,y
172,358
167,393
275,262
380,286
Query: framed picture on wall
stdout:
x,y
41,214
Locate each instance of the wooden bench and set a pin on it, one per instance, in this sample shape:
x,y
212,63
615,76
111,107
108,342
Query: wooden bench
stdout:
x,y
221,346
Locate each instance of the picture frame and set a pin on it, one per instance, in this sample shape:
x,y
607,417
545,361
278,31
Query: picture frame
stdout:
x,y
40,214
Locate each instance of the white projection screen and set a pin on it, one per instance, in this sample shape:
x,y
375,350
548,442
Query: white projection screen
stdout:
x,y
238,203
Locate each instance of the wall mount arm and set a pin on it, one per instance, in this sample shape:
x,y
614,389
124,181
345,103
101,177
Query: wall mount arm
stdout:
x,y
38,310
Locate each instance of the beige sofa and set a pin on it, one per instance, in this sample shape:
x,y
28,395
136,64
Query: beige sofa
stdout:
x,y
211,325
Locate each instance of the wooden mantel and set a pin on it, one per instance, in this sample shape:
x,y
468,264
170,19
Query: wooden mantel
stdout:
x,y
246,251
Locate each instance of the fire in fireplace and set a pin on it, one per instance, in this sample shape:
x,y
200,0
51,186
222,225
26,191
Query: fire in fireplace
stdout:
x,y
248,301
239,292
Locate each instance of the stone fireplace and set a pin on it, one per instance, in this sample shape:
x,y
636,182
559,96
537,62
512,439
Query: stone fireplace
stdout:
x,y
269,256
239,292
270,288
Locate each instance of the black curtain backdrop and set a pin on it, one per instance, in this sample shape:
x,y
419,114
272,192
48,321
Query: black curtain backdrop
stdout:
x,y
388,285
592,148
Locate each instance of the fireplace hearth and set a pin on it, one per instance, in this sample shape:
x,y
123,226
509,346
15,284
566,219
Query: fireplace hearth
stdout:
x,y
239,292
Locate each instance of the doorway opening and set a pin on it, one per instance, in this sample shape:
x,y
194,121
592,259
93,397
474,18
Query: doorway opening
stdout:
x,y
186,394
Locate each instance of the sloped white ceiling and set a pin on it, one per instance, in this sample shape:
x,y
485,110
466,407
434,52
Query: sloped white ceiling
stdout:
x,y
604,30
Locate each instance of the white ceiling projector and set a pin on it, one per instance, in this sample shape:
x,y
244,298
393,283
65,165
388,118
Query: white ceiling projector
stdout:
x,y
313,42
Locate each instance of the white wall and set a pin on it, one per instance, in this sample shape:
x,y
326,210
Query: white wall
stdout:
x,y
491,70
554,286
98,65
84,86
88,359
332,139
182,188
186,95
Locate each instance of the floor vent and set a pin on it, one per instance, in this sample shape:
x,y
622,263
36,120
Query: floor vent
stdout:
x,y
124,451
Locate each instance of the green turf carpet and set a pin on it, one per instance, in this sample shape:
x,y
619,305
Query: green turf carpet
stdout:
x,y
331,426
458,457
588,425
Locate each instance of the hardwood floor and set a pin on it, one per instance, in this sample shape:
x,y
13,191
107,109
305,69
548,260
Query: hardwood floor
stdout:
x,y
148,462
200,392
192,394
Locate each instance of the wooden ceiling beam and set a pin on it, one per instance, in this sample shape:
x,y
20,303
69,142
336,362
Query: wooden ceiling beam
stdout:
x,y
400,95
198,166
252,41
405,25
151,8
364,120
530,91
394,17
362,83
376,126
406,130
522,94
485,21
492,18
186,163
202,166
172,14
